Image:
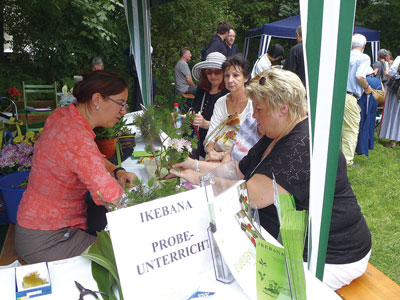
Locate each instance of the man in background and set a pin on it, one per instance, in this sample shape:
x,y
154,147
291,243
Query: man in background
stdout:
x,y
217,43
295,60
183,80
357,84
232,48
264,62
97,64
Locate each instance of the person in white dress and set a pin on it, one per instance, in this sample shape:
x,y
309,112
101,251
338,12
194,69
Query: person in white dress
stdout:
x,y
236,70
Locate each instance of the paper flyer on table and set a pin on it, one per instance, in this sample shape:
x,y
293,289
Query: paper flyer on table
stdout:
x,y
161,246
235,236
272,279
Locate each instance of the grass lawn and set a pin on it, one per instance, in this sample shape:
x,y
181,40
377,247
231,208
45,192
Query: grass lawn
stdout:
x,y
376,184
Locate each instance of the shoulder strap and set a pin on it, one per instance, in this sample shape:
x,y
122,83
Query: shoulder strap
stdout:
x,y
202,103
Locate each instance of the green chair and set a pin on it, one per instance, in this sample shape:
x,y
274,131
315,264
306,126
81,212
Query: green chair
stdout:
x,y
39,102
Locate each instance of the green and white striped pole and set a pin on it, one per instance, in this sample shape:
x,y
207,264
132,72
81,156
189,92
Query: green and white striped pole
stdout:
x,y
327,28
138,19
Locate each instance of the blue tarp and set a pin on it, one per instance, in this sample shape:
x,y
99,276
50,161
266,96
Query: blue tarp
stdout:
x,y
286,28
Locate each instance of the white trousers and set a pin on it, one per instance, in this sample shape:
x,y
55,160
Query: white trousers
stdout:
x,y
337,276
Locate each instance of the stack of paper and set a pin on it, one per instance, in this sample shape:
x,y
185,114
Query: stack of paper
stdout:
x,y
293,231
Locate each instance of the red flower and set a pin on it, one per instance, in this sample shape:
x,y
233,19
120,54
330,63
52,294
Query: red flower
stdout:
x,y
14,93
249,226
253,241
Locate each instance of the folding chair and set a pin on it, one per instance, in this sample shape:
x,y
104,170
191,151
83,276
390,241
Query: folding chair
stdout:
x,y
39,102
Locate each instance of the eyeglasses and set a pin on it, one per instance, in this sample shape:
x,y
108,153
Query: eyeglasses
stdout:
x,y
124,106
262,80
215,71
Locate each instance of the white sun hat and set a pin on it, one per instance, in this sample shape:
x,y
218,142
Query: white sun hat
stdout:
x,y
214,60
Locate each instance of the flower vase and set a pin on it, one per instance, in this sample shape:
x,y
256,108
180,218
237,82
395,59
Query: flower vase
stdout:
x,y
12,196
107,147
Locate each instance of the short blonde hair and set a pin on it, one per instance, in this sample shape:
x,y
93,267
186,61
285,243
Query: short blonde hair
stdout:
x,y
275,87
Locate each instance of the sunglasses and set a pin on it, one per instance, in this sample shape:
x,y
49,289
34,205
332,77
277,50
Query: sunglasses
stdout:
x,y
215,71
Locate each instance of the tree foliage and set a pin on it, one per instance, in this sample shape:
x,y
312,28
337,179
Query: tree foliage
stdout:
x,y
55,39
381,15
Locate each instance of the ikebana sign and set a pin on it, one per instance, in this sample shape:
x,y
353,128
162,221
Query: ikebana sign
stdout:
x,y
162,243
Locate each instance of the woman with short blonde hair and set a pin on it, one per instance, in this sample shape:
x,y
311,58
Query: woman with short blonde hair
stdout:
x,y
279,88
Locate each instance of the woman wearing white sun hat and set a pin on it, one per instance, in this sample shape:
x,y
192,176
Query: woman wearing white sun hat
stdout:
x,y
210,89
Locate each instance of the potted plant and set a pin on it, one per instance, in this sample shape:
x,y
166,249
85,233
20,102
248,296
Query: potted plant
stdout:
x,y
107,137
15,163
126,138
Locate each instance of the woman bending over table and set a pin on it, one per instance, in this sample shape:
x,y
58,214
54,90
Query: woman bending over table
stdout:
x,y
67,163
280,108
220,137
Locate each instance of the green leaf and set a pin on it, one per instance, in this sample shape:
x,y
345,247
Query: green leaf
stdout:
x,y
103,264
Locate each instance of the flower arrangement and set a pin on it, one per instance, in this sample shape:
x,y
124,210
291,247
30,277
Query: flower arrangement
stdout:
x,y
178,150
16,157
176,145
14,94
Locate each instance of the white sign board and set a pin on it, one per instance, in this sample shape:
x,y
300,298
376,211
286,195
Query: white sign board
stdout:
x,y
161,247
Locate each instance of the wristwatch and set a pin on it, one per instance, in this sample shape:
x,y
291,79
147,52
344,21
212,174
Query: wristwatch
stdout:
x,y
115,171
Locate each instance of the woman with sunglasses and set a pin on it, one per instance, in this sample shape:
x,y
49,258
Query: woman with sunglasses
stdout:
x,y
236,72
52,218
280,108
210,89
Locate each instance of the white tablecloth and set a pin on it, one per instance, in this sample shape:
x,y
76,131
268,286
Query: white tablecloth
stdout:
x,y
64,272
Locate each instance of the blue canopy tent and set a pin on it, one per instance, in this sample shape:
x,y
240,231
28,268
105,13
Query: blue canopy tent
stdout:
x,y
286,29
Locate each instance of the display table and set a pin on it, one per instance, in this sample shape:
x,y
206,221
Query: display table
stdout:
x,y
64,272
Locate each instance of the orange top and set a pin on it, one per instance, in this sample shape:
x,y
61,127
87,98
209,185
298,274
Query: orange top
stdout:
x,y
66,164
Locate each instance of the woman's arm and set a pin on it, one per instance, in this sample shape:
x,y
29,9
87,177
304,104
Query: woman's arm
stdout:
x,y
123,176
201,122
261,191
192,170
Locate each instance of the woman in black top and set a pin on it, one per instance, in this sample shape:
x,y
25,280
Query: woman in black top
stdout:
x,y
211,88
280,107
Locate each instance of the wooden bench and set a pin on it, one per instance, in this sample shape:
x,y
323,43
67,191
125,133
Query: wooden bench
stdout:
x,y
373,285
8,254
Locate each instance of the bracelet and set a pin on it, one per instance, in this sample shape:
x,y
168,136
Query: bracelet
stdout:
x,y
196,168
115,171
